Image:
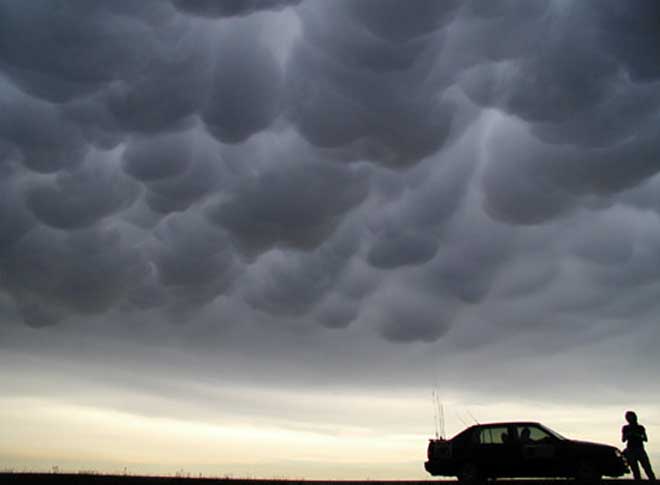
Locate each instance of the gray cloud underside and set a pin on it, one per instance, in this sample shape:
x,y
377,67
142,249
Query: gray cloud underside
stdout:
x,y
463,173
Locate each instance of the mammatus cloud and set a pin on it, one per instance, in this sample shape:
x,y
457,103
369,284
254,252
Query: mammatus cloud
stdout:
x,y
297,205
79,198
230,8
373,168
51,274
245,89
373,79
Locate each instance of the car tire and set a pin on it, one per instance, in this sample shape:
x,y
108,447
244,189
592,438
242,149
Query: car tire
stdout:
x,y
469,474
587,473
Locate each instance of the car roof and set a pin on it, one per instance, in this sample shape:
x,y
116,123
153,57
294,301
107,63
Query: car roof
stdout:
x,y
506,423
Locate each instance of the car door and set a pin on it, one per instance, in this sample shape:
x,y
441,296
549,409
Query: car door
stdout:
x,y
496,453
539,451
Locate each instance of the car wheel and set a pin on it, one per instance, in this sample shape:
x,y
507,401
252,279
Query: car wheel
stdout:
x,y
587,473
469,474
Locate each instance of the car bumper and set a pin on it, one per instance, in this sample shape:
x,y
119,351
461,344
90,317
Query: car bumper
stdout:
x,y
616,469
440,468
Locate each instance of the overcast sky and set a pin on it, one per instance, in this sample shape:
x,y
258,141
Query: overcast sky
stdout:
x,y
252,237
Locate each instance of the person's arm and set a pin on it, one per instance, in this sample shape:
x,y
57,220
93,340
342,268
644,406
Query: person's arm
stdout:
x,y
624,434
643,432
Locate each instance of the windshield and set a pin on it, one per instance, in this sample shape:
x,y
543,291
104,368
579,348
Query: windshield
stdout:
x,y
553,433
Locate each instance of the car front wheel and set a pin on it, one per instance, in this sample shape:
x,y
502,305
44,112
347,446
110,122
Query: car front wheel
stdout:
x,y
587,473
469,474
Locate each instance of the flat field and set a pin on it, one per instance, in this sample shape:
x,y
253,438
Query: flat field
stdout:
x,y
83,479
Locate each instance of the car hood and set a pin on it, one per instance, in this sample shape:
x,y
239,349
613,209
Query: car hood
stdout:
x,y
591,444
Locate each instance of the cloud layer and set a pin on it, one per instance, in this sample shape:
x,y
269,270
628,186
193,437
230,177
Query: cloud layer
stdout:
x,y
459,174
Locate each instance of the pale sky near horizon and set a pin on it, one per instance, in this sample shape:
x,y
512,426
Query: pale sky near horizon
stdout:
x,y
251,238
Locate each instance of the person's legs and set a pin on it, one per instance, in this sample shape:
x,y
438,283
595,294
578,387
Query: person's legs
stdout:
x,y
632,458
646,465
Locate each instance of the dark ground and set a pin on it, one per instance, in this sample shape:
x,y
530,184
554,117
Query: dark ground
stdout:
x,y
82,479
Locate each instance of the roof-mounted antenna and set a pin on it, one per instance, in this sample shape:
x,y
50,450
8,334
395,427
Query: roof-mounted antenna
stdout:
x,y
470,414
442,421
440,416
436,421
461,419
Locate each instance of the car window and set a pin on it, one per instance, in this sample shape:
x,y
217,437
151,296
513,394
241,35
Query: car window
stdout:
x,y
494,436
533,434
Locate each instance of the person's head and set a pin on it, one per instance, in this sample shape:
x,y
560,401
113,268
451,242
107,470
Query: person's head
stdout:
x,y
524,434
631,417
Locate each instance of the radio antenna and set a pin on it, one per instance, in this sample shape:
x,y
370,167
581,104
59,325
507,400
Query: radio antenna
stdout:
x,y
470,414
461,419
436,421
442,421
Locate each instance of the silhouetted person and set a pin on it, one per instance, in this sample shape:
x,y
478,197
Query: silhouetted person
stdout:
x,y
634,435
525,436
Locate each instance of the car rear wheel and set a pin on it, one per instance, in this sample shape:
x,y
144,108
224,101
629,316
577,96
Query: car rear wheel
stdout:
x,y
469,474
587,473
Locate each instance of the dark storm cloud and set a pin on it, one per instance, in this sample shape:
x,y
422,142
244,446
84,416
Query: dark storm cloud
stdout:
x,y
165,97
599,244
34,133
405,315
178,170
51,274
336,311
157,157
410,229
194,262
162,94
79,198
291,282
59,51
589,116
632,34
402,249
464,173
15,219
229,8
554,179
245,89
468,263
359,77
294,204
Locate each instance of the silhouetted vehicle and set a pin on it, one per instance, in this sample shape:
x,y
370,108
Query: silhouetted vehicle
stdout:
x,y
521,449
